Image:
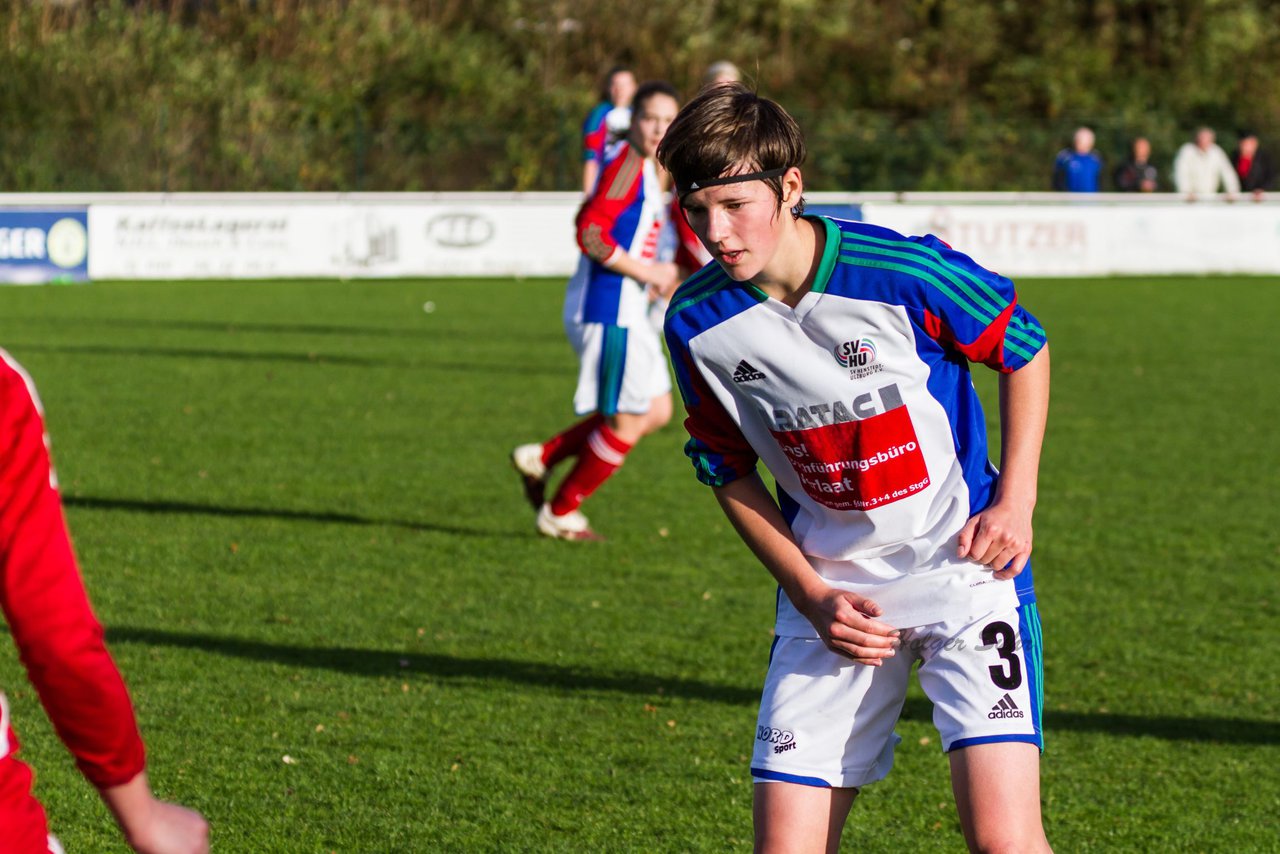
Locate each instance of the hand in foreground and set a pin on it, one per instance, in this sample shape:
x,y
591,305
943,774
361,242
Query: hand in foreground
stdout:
x,y
999,537
847,624
663,277
172,829
152,826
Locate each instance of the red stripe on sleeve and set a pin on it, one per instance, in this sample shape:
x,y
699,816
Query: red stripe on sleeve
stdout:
x,y
714,430
617,188
987,348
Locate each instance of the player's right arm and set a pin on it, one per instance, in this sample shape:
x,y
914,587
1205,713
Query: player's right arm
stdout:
x,y
619,186
724,460
844,620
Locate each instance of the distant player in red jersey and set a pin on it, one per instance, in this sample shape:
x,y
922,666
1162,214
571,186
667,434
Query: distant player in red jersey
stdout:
x,y
631,255
607,122
61,644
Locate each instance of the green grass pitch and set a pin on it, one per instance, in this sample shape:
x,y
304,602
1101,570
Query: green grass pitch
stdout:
x,y
294,512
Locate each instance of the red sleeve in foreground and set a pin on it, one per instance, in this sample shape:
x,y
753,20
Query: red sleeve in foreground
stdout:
x,y
58,638
618,187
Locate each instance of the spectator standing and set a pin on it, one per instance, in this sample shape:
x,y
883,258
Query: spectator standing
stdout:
x,y
1202,166
607,122
1253,166
1137,174
1077,168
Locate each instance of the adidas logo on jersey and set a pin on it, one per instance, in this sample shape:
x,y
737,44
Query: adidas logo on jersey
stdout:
x,y
745,373
1005,709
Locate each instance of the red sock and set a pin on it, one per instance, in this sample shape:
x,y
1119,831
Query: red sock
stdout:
x,y
570,442
602,453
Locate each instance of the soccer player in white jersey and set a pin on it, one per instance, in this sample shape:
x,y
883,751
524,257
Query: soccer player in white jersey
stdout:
x,y
624,388
837,353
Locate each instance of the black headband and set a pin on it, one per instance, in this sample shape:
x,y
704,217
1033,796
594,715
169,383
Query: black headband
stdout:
x,y
702,184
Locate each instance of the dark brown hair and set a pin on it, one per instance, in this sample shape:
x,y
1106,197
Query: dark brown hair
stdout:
x,y
648,89
729,129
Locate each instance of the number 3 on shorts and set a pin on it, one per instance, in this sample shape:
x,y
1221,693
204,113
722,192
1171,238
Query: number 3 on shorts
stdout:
x,y
1002,636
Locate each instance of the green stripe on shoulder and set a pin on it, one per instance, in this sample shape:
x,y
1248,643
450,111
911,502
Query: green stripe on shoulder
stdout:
x,y
988,300
924,276
698,288
1028,356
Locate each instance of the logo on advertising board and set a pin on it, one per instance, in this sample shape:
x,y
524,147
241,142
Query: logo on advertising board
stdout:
x,y
859,356
460,230
367,241
44,246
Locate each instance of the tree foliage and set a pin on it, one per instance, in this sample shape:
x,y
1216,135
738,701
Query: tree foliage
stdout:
x,y
451,95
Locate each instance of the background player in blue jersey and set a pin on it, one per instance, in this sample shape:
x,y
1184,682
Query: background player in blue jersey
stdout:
x,y
837,353
624,387
607,122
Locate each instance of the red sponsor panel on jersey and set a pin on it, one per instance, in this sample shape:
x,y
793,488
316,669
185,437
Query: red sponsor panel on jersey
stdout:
x,y
858,465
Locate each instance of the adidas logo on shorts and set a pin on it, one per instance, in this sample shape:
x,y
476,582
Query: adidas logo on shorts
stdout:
x,y
745,373
1005,709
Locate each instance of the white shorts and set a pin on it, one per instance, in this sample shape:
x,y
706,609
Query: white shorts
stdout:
x,y
621,368
825,721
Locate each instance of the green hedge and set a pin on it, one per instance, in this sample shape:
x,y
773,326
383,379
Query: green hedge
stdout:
x,y
454,95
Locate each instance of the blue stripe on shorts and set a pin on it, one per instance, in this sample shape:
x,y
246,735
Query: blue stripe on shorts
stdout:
x,y
1033,657
766,774
613,365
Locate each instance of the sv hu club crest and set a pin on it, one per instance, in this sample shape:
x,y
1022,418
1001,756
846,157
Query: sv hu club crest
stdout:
x,y
856,354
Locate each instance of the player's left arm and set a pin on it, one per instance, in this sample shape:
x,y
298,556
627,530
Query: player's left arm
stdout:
x,y
1001,535
977,315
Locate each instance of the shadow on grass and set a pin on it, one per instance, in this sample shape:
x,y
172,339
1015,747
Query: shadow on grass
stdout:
x,y
310,358
375,663
1219,730
362,662
254,327
183,508
193,353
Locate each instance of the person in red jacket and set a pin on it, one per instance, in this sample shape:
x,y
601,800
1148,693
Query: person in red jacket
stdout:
x,y
60,642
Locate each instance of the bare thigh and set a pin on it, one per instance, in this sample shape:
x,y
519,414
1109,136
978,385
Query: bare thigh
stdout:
x,y
997,790
795,819
630,427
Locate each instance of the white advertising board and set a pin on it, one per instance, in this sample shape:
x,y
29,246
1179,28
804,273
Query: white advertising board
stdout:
x,y
343,239
383,235
1083,239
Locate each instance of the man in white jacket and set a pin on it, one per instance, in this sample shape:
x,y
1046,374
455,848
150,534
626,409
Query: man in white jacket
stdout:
x,y
1201,165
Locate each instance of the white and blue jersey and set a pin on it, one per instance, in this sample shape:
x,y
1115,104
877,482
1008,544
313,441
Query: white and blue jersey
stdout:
x,y
860,404
628,210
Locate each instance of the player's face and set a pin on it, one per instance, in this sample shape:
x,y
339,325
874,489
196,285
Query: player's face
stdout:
x,y
621,87
741,224
650,122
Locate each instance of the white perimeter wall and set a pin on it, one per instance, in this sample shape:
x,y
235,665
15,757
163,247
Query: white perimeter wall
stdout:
x,y
302,235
